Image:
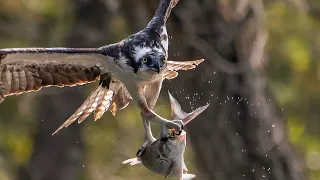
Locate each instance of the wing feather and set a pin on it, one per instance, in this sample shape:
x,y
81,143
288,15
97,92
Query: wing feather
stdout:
x,y
80,112
183,65
30,69
103,105
173,3
15,81
173,66
99,101
22,80
93,105
6,79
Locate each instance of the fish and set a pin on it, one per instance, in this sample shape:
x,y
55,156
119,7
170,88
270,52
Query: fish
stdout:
x,y
165,155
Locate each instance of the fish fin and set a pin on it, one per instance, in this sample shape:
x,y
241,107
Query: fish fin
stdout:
x,y
188,176
178,113
194,114
170,170
133,161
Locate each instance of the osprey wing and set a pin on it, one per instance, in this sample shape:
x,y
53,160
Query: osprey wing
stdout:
x,y
173,66
30,69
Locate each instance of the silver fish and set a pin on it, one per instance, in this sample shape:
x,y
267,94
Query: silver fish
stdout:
x,y
164,155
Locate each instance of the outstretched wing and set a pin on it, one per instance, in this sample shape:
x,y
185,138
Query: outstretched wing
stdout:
x,y
173,66
30,69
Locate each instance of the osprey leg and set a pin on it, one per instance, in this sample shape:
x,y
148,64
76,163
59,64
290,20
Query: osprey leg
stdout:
x,y
152,116
148,137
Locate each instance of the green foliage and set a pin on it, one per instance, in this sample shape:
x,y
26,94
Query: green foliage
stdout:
x,y
294,64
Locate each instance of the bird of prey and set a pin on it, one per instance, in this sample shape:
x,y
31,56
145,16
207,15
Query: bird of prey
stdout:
x,y
165,156
132,69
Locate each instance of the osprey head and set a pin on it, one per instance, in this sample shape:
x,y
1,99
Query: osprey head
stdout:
x,y
143,52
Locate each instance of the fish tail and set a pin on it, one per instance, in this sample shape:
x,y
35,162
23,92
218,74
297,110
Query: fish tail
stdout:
x,y
178,114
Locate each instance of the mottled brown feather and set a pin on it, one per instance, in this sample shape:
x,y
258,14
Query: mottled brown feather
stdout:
x,y
22,80
103,104
16,79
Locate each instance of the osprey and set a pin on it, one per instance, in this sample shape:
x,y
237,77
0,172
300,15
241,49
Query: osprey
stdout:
x,y
132,69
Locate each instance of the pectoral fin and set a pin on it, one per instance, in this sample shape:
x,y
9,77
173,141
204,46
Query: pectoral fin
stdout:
x,y
188,176
133,161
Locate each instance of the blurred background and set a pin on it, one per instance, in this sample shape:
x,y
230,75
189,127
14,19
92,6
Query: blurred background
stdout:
x,y
261,76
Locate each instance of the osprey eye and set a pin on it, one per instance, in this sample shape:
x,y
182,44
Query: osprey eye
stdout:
x,y
144,59
164,60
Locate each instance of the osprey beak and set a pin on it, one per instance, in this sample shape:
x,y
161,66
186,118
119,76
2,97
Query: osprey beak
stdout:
x,y
156,67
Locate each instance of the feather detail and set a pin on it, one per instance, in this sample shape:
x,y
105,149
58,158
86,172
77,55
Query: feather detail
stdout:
x,y
31,69
121,98
100,100
30,80
173,3
15,81
6,80
92,105
22,80
168,74
87,107
173,66
103,105
183,65
113,108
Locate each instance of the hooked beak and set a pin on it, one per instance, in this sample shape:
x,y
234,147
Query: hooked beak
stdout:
x,y
156,67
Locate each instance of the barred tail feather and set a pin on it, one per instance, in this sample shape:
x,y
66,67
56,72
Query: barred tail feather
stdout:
x,y
103,105
98,98
121,100
90,107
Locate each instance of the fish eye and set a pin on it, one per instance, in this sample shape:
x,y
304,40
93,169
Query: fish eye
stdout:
x,y
144,59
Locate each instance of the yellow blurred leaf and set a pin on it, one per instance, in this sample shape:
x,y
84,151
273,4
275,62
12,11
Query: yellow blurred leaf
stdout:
x,y
298,54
